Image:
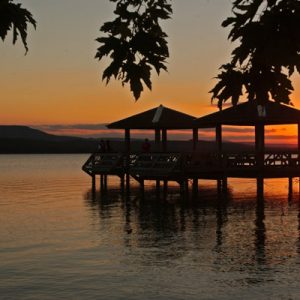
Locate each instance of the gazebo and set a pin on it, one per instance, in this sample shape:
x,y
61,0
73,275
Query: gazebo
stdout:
x,y
181,167
157,166
160,119
251,114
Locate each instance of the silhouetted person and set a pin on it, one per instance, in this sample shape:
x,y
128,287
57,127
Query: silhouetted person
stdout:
x,y
108,146
101,147
146,146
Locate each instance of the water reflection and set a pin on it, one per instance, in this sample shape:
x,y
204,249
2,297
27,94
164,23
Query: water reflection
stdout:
x,y
260,232
231,231
221,219
120,246
298,243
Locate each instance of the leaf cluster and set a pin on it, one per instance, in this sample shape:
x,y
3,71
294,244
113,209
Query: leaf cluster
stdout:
x,y
14,17
268,52
259,84
135,42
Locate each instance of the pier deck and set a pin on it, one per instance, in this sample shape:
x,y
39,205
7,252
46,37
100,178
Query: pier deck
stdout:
x,y
183,166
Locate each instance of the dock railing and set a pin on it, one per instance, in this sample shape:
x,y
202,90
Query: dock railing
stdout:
x,y
104,163
161,164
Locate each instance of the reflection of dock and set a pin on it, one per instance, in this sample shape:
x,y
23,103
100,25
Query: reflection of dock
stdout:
x,y
245,232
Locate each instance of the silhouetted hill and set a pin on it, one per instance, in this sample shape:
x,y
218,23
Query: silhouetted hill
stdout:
x,y
23,139
25,132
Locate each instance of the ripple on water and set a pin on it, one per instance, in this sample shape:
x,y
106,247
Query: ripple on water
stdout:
x,y
57,242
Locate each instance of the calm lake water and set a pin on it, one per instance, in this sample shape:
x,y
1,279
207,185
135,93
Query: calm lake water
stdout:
x,y
57,242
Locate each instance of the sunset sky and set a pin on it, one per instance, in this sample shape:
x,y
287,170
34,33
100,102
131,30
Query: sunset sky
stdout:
x,y
57,86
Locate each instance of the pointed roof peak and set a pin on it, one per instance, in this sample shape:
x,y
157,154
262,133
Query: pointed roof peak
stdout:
x,y
158,117
158,114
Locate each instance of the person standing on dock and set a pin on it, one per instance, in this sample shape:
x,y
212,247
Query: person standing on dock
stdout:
x,y
146,146
108,147
101,147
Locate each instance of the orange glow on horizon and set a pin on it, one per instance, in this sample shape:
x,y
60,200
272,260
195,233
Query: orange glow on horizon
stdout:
x,y
59,81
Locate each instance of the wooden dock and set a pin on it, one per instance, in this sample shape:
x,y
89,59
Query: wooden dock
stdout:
x,y
183,167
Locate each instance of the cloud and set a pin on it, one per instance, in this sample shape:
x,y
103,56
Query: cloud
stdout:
x,y
230,133
249,129
58,127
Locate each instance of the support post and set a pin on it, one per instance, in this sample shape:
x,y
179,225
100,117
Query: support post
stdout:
x,y
101,182
195,187
122,183
299,153
165,188
195,138
127,154
127,184
105,182
219,186
157,140
127,141
93,177
260,145
93,183
184,187
298,138
219,138
260,188
158,187
290,195
224,184
186,183
164,140
142,186
219,143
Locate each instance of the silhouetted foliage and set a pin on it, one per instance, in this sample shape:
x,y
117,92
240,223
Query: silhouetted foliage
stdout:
x,y
13,16
135,42
268,51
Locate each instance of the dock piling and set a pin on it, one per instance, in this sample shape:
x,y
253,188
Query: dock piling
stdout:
x,y
93,184
122,183
224,184
290,194
165,187
195,187
157,187
260,187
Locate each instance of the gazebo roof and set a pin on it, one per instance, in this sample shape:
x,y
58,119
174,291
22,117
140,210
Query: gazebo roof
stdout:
x,y
160,117
249,114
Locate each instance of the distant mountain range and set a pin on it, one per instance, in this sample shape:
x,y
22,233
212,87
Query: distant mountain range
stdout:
x,y
25,132
23,139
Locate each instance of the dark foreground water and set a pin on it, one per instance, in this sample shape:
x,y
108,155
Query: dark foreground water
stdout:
x,y
56,242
